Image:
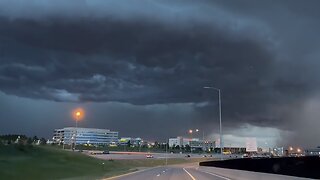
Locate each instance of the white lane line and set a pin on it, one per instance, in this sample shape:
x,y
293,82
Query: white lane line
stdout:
x,y
189,174
222,177
131,173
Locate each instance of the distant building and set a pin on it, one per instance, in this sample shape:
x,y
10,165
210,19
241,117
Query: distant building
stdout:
x,y
129,140
194,143
173,142
84,136
277,151
312,152
234,150
208,145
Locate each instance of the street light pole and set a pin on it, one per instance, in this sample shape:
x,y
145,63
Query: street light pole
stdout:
x,y
166,153
78,115
75,138
219,92
190,142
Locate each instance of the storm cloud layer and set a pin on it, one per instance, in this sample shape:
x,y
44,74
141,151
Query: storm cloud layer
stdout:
x,y
263,58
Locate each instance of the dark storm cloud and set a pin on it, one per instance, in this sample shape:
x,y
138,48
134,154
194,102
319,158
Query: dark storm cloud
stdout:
x,y
159,52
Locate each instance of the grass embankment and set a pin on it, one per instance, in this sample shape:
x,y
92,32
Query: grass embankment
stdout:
x,y
23,162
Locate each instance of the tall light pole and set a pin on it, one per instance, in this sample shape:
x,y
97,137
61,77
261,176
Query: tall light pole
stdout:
x,y
78,114
219,92
190,142
167,152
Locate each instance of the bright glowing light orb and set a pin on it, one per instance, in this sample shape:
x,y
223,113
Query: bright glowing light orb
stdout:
x,y
78,114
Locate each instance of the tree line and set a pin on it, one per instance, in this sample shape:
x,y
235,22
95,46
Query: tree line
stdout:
x,y
21,139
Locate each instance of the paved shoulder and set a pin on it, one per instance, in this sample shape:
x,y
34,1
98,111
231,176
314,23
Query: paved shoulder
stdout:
x,y
197,174
159,173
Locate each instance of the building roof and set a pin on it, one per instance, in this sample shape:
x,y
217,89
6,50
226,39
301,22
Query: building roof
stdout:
x,y
85,129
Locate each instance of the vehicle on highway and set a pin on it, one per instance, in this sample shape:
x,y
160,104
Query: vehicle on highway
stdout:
x,y
105,152
245,156
188,155
149,156
96,152
226,152
93,152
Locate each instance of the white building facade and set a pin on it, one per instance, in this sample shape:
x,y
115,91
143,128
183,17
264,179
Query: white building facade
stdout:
x,y
71,135
193,143
176,142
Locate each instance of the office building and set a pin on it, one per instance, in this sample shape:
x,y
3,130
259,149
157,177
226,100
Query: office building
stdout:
x,y
70,135
130,141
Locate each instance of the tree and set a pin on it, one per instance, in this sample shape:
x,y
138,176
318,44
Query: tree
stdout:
x,y
35,139
43,141
173,146
129,143
156,144
29,141
187,147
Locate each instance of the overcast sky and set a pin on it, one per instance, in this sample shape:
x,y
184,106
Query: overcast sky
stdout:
x,y
139,67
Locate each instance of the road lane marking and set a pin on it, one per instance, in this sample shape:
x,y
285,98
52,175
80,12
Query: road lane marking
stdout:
x,y
189,174
130,173
222,177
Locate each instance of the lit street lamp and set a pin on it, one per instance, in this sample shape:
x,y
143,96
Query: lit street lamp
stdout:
x,y
219,92
78,114
190,142
299,150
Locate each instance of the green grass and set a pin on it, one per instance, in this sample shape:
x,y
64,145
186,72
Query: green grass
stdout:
x,y
23,162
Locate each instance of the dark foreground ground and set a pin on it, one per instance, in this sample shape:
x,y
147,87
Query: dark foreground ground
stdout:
x,y
47,162
293,166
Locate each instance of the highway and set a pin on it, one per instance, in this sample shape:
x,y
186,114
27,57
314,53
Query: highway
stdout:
x,y
142,155
131,155
195,172
171,173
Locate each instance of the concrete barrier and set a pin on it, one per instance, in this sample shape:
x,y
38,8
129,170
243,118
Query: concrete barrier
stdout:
x,y
293,166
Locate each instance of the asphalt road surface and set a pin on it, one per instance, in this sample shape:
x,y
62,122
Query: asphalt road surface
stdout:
x,y
171,173
194,172
142,155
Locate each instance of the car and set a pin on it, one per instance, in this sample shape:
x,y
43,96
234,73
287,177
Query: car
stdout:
x,y
80,150
105,152
204,156
188,155
245,156
149,156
